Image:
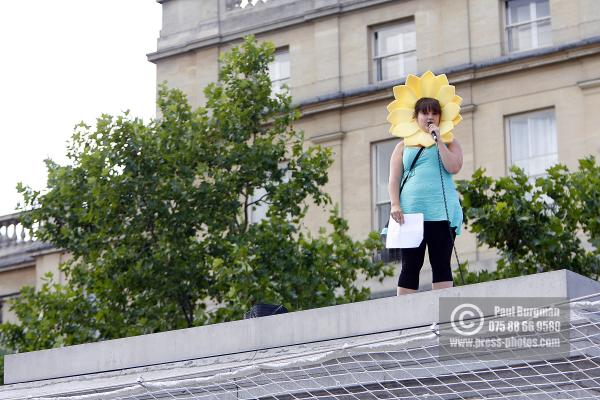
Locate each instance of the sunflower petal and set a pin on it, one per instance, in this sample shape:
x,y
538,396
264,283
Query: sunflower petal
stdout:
x,y
393,105
405,96
414,83
446,126
405,129
427,81
401,110
443,79
400,115
445,94
438,82
450,111
411,141
420,138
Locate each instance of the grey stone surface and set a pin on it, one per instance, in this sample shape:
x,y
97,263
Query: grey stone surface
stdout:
x,y
22,253
384,87
328,323
189,24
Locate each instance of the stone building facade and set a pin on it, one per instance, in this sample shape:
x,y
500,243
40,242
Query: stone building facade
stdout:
x,y
528,71
23,262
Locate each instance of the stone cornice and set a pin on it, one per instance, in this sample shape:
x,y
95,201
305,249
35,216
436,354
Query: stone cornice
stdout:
x,y
462,74
342,100
9,295
17,266
327,137
24,255
589,84
467,108
237,34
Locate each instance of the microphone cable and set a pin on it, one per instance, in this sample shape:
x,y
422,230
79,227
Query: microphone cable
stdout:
x,y
453,238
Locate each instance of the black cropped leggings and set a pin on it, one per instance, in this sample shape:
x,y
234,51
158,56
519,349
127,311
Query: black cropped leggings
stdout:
x,y
436,236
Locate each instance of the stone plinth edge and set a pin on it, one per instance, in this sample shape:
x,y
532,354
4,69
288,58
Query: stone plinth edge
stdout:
x,y
343,321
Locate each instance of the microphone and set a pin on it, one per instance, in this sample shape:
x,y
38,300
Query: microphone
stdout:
x,y
433,133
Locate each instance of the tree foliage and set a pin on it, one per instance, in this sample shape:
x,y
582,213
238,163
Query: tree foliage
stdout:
x,y
2,353
156,218
545,224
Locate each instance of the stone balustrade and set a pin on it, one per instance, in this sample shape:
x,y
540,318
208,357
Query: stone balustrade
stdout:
x,y
12,232
233,4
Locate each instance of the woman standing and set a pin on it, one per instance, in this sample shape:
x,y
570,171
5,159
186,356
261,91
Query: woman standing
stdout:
x,y
428,189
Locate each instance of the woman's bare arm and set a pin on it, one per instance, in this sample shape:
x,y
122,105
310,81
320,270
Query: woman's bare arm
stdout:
x,y
396,170
452,156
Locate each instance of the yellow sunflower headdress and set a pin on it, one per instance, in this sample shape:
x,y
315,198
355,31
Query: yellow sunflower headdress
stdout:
x,y
401,110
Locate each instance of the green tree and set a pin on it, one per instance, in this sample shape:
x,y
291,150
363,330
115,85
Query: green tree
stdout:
x,y
155,217
543,225
2,353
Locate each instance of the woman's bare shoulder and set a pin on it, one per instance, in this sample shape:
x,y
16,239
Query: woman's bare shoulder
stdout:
x,y
398,150
454,144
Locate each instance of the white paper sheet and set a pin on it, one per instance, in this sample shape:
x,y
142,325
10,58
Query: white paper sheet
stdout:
x,y
407,235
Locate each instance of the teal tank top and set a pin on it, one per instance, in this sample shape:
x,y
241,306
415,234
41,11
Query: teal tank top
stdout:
x,y
422,192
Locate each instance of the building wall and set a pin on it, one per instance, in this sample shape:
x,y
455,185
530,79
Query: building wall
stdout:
x,y
11,282
49,264
330,53
329,43
31,273
345,110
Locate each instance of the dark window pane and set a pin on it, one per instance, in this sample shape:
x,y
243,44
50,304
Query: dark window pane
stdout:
x,y
383,215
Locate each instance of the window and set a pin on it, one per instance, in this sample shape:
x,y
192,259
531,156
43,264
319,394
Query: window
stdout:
x,y
394,51
258,211
279,70
382,152
527,24
532,141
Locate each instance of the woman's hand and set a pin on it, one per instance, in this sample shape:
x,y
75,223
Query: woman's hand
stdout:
x,y
434,131
397,214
